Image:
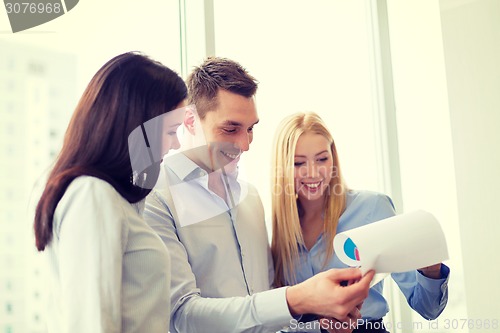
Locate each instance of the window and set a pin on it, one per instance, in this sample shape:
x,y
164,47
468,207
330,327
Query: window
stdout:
x,y
320,65
45,74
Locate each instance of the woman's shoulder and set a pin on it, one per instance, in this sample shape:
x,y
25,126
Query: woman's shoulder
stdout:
x,y
90,182
90,191
90,199
364,197
364,207
90,185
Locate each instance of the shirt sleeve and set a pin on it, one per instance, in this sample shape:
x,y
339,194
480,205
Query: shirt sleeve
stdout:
x,y
425,295
91,231
261,312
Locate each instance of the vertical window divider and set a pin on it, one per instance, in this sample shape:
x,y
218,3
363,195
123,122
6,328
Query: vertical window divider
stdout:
x,y
183,37
209,28
386,134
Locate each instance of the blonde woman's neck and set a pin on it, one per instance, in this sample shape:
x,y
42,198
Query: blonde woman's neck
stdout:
x,y
311,221
311,208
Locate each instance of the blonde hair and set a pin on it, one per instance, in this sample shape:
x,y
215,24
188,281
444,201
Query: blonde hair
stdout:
x,y
287,233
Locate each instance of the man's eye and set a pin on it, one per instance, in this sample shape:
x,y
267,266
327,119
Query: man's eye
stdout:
x,y
229,130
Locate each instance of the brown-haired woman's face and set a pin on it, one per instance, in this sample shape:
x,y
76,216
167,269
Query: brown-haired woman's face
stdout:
x,y
171,122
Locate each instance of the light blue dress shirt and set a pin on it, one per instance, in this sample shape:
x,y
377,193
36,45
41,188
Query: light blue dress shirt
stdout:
x,y
426,296
221,263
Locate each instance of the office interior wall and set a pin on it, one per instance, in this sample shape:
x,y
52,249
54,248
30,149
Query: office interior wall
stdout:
x,y
471,36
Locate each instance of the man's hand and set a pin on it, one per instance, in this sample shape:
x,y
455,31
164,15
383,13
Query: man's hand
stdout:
x,y
324,295
333,325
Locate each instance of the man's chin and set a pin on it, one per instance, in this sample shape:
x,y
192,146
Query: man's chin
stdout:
x,y
233,166
229,166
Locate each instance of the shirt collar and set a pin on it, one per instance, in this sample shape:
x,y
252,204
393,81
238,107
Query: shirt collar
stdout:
x,y
183,167
186,169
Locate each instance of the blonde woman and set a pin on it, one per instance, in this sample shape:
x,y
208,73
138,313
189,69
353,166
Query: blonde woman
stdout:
x,y
311,203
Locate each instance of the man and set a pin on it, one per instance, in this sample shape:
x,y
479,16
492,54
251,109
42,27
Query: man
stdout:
x,y
213,224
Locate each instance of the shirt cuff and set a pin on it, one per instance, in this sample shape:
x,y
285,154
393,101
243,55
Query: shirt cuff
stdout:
x,y
434,285
272,308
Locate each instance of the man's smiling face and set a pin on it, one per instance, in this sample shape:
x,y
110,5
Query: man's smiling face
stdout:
x,y
228,129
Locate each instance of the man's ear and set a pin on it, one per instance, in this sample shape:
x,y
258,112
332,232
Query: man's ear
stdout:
x,y
190,121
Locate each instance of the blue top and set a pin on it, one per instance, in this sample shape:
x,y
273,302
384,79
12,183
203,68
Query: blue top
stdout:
x,y
425,295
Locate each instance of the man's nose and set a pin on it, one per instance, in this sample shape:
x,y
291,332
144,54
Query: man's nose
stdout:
x,y
244,141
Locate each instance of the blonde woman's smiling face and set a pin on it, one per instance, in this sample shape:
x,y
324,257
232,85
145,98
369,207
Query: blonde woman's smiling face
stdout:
x,y
313,163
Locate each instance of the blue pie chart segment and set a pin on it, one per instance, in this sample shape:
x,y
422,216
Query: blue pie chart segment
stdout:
x,y
351,250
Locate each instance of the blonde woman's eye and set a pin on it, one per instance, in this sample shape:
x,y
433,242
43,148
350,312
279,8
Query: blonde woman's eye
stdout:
x,y
297,164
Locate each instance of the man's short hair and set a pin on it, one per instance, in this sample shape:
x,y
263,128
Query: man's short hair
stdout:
x,y
216,73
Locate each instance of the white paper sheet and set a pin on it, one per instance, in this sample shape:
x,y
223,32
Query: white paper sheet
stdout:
x,y
400,243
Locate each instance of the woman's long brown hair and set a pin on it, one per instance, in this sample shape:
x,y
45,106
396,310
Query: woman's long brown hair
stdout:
x,y
127,91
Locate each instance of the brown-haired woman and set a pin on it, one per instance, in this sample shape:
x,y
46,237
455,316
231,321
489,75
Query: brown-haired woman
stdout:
x,y
108,271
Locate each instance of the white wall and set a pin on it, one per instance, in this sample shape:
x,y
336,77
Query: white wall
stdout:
x,y
424,131
447,89
471,35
